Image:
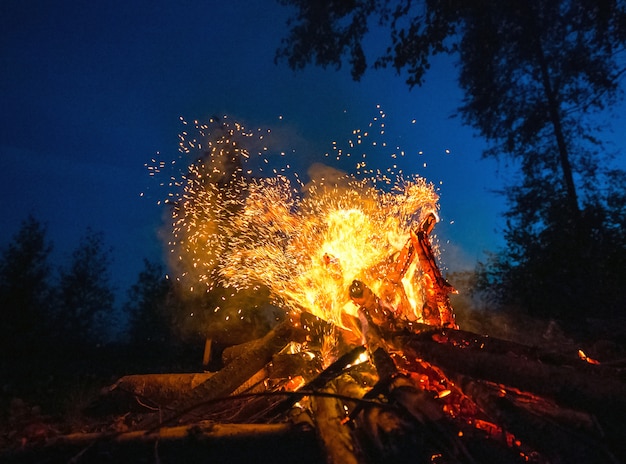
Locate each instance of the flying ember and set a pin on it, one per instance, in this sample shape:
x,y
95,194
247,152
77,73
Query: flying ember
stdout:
x,y
328,247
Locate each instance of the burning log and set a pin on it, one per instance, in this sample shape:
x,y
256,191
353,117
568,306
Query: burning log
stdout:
x,y
437,309
373,314
439,433
543,402
586,387
562,434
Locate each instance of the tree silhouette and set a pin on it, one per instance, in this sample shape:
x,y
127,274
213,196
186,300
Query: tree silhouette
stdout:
x,y
25,287
150,321
84,293
531,72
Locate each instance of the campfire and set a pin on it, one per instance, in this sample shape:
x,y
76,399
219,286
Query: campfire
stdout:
x,y
368,363
391,380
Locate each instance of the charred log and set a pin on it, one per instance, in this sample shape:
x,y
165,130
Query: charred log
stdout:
x,y
437,309
560,434
586,387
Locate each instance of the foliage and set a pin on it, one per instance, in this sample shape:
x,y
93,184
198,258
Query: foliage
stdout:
x,y
25,286
147,307
52,329
84,294
562,270
531,72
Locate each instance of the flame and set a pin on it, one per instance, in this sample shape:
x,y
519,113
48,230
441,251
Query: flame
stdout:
x,y
309,250
305,243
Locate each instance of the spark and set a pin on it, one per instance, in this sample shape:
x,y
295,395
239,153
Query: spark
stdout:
x,y
306,242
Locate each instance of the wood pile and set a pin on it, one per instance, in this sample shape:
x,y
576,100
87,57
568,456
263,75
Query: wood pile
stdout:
x,y
432,395
403,393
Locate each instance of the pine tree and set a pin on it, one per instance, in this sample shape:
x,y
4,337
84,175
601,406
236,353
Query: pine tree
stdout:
x,y
25,287
150,321
85,296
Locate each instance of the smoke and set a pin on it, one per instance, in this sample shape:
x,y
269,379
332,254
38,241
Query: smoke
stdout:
x,y
321,176
241,236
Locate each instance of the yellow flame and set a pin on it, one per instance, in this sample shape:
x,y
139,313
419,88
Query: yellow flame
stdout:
x,y
309,251
306,244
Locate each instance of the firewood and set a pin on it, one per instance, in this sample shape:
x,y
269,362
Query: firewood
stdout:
x,y
227,380
199,429
486,343
437,309
328,374
587,387
152,390
381,431
233,352
439,433
558,433
197,443
336,438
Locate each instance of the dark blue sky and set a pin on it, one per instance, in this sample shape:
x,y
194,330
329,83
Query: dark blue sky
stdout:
x,y
91,91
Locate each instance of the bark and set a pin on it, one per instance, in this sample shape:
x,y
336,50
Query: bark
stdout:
x,y
586,387
198,443
336,438
227,380
554,108
153,390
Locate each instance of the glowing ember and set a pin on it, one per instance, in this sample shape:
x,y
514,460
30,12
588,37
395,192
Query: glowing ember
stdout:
x,y
307,244
584,357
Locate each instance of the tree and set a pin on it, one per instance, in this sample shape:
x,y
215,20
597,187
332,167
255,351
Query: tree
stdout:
x,y
25,287
147,307
540,68
531,71
84,295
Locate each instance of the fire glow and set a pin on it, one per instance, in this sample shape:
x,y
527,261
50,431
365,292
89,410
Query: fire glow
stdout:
x,y
349,258
307,243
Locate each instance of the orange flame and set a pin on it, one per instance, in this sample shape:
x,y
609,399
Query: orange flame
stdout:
x,y
305,243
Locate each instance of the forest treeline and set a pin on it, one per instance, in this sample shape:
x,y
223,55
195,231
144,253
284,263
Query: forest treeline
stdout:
x,y
535,76
64,332
62,328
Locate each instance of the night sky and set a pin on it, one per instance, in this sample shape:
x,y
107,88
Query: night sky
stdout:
x,y
91,91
